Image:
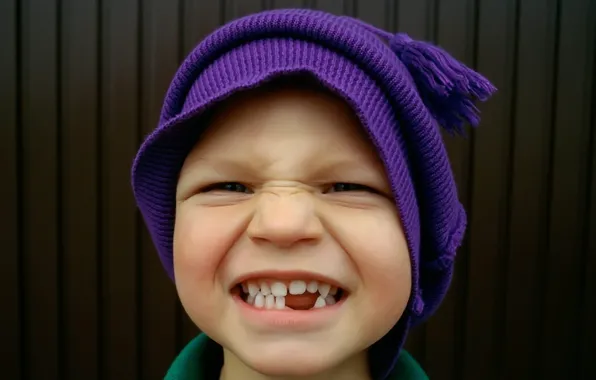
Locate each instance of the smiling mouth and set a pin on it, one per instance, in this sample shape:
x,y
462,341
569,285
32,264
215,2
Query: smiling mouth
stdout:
x,y
288,295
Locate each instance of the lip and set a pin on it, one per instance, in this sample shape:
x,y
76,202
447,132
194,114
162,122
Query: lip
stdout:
x,y
293,320
287,276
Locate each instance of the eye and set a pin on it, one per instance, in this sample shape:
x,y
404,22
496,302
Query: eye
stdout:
x,y
343,187
234,187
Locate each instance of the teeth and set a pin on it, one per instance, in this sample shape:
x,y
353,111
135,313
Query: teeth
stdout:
x,y
280,303
324,290
297,287
320,303
279,289
265,293
253,288
265,290
260,301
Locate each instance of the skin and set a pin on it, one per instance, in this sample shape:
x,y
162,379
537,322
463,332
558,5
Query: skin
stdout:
x,y
289,148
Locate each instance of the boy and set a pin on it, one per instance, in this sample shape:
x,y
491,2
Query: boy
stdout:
x,y
299,193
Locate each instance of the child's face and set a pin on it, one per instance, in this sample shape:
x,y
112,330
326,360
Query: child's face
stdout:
x,y
268,195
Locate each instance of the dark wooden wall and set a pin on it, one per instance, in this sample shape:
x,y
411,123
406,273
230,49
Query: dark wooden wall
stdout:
x,y
81,81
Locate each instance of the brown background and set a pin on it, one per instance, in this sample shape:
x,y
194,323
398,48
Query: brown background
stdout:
x,y
81,82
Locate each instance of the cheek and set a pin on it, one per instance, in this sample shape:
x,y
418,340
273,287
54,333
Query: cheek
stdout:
x,y
379,250
385,268
201,241
198,247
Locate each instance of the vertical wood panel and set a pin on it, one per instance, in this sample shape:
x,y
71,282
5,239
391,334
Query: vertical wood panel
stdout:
x,y
336,7
10,285
529,194
160,57
79,186
271,4
416,18
567,213
119,116
239,8
587,365
489,200
40,189
373,11
455,28
199,19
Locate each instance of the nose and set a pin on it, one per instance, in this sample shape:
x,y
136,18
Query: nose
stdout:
x,y
285,219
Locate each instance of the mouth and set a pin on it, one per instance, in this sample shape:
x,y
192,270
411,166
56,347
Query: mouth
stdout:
x,y
296,294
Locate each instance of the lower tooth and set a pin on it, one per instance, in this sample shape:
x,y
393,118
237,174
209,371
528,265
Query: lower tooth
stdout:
x,y
320,303
250,300
269,301
259,300
280,303
329,300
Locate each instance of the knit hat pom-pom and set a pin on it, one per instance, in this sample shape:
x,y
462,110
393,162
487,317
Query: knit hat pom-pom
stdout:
x,y
447,87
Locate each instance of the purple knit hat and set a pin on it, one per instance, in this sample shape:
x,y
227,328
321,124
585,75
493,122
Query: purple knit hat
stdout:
x,y
401,89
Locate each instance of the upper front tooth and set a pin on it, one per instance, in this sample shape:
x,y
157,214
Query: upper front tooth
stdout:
x,y
279,289
253,289
312,287
324,289
297,287
265,290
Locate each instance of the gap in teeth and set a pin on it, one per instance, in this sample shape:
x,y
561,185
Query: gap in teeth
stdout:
x,y
270,294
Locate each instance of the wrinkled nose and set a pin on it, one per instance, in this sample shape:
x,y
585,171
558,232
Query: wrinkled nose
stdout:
x,y
285,219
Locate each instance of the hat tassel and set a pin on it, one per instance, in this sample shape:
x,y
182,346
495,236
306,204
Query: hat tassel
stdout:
x,y
448,87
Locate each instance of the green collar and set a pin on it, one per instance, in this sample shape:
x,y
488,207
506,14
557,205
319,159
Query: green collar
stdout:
x,y
192,362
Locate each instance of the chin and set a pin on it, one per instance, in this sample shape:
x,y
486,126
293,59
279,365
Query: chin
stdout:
x,y
305,365
289,360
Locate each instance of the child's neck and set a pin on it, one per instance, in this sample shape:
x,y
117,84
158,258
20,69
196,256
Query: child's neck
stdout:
x,y
355,368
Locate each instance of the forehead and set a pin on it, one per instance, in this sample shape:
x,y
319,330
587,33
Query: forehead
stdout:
x,y
295,110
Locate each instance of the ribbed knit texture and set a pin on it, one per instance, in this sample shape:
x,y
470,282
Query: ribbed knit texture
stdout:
x,y
399,88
